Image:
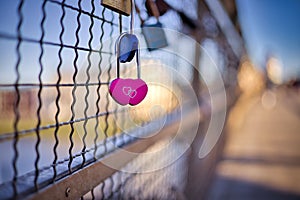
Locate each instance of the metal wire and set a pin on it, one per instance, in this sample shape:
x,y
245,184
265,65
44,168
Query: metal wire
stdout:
x,y
58,92
61,162
31,85
98,88
40,103
114,125
80,10
6,136
17,101
74,88
107,95
87,82
166,183
36,41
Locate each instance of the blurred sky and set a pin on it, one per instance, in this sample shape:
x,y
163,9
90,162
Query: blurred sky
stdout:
x,y
272,27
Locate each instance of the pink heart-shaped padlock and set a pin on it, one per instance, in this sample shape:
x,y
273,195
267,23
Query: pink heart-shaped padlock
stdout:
x,y
128,91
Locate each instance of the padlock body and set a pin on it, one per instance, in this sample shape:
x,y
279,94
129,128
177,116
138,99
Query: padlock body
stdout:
x,y
128,45
128,91
121,6
155,36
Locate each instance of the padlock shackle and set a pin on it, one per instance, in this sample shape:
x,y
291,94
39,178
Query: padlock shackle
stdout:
x,y
137,55
138,70
132,18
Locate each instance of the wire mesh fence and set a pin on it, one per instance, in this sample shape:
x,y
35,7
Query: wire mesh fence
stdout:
x,y
166,183
56,113
57,117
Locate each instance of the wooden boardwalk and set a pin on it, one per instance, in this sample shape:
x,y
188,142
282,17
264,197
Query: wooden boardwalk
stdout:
x,y
261,159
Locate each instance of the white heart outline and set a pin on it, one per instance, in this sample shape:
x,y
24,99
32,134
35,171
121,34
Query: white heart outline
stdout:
x,y
134,92
124,90
128,91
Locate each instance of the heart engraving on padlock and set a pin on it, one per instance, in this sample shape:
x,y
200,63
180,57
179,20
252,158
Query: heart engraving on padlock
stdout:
x,y
132,94
128,91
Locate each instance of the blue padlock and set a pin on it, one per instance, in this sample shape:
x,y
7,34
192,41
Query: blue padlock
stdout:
x,y
153,33
128,45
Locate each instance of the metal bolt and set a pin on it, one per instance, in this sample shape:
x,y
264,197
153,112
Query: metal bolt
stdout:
x,y
68,191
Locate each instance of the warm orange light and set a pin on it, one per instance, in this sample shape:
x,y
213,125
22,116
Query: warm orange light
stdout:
x,y
163,95
250,80
274,70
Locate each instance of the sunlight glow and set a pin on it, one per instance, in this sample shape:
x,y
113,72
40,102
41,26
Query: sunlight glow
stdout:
x,y
274,70
250,80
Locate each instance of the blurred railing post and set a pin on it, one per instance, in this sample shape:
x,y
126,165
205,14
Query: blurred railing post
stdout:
x,y
195,177
201,171
199,34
